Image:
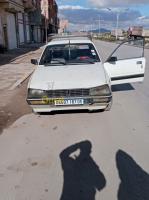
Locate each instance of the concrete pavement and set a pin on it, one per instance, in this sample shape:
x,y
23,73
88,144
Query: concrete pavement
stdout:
x,y
15,67
32,169
17,70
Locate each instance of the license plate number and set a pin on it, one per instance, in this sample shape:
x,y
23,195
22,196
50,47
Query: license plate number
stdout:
x,y
59,102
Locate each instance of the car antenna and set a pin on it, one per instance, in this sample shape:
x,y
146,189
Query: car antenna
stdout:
x,y
69,50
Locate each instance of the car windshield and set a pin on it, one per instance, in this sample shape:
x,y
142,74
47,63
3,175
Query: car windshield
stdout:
x,y
64,54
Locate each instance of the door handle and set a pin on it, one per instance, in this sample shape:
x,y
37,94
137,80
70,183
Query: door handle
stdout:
x,y
139,62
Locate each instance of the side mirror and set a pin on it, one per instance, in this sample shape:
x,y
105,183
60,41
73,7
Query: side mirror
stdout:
x,y
112,59
34,61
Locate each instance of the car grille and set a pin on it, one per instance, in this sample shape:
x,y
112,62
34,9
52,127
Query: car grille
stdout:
x,y
68,93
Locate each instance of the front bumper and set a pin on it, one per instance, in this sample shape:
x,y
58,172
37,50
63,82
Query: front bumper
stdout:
x,y
90,103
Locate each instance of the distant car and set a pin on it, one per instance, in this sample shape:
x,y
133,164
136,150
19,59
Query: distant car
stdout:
x,y
71,76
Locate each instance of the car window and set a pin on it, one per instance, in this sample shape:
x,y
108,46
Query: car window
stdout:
x,y
69,54
130,49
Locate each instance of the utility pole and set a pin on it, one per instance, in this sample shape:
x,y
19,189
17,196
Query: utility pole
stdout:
x,y
46,30
99,25
117,25
91,29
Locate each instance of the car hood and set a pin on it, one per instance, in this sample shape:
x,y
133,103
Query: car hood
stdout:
x,y
68,77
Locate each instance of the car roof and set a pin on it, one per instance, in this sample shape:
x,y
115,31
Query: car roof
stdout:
x,y
73,37
71,41
64,39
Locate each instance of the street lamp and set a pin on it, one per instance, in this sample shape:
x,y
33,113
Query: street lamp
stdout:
x,y
117,20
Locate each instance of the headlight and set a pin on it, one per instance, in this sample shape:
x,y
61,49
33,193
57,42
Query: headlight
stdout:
x,y
100,91
34,93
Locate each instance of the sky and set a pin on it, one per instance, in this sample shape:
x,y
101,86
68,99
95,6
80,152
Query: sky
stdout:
x,y
138,10
144,9
142,6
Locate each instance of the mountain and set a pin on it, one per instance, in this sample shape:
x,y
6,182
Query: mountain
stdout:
x,y
102,30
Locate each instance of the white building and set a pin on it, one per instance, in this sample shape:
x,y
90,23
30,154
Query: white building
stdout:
x,y
63,25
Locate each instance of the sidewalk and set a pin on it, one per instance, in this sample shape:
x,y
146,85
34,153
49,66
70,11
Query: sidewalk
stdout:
x,y
15,66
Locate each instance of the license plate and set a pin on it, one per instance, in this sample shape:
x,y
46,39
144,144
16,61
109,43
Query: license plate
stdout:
x,y
59,102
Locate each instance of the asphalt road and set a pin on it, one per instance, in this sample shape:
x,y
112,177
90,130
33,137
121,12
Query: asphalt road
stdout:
x,y
34,151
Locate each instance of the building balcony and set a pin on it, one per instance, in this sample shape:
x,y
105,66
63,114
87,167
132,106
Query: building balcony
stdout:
x,y
35,17
29,5
12,5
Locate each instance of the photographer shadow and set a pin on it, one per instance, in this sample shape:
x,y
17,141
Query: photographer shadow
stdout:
x,y
82,176
134,180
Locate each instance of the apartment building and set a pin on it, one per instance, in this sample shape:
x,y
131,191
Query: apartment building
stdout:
x,y
53,17
35,21
21,22
53,20
11,14
64,23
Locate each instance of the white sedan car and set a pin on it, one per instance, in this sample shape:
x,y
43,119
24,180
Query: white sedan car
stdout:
x,y
71,76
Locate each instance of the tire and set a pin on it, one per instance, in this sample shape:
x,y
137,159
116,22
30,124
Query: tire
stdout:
x,y
108,108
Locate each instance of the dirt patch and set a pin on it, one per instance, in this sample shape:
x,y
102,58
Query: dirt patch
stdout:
x,y
14,106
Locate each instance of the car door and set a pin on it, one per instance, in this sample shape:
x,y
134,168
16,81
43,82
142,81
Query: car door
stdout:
x,y
127,63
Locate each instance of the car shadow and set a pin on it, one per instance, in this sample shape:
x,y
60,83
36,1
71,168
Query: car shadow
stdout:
x,y
82,176
134,180
62,112
122,87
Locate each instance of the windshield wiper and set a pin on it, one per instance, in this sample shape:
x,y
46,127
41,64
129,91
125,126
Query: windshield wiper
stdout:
x,y
85,61
89,61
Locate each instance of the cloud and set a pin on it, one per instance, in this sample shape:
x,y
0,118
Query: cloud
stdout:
x,y
117,3
79,15
77,18
69,7
142,17
144,21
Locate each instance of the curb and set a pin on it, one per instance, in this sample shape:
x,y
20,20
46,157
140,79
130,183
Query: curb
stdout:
x,y
20,81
